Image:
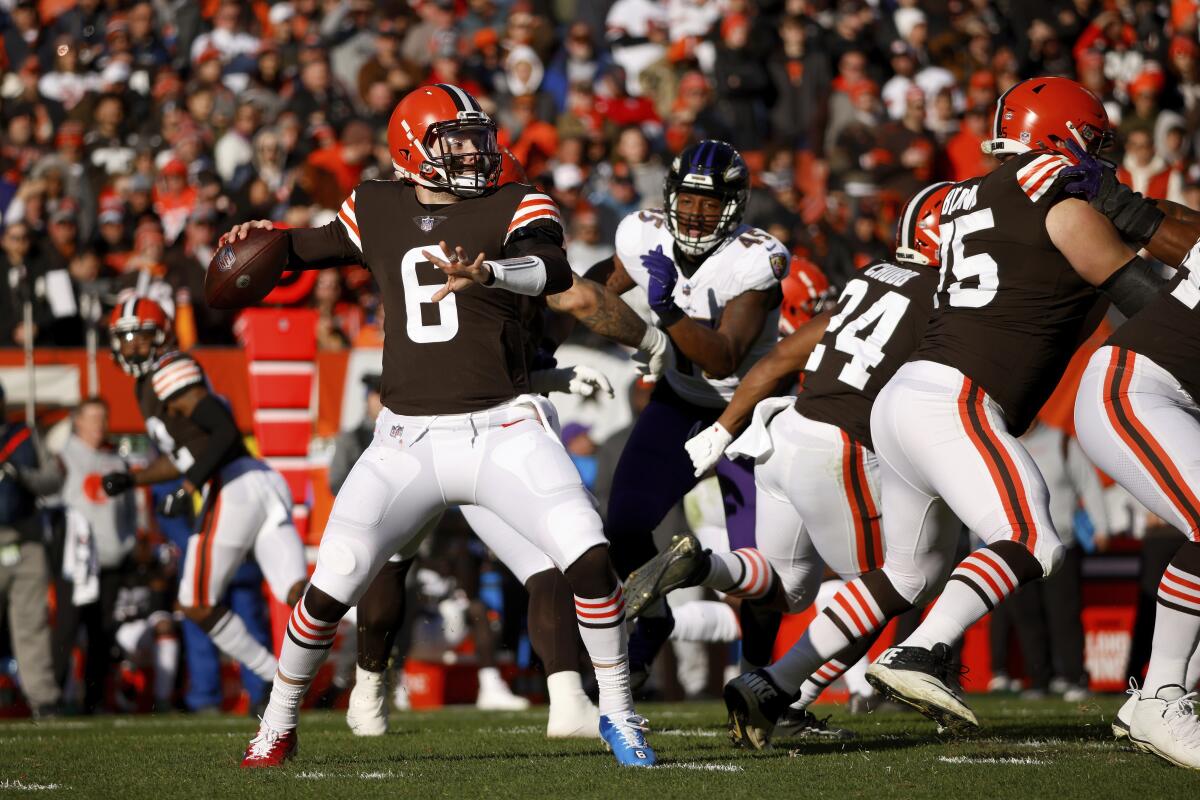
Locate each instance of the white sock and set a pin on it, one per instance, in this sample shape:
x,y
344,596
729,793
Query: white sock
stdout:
x,y
1176,623
978,584
566,688
743,573
602,628
166,663
364,677
305,647
1193,670
705,621
489,678
232,638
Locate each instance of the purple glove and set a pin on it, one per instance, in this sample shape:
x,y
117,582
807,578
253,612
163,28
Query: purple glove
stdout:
x,y
662,281
1095,180
1088,173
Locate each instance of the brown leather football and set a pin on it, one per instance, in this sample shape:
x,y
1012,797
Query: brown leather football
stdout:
x,y
243,272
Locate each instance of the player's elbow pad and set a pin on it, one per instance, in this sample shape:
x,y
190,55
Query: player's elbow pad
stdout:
x,y
1132,286
211,415
522,275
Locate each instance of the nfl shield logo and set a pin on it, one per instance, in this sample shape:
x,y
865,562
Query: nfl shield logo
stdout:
x,y
427,224
397,433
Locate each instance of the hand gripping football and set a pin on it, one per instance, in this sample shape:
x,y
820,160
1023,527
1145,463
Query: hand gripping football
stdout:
x,y
243,272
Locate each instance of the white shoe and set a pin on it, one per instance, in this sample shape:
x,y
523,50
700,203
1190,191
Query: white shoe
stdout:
x,y
1120,724
495,694
400,699
367,714
572,714
1166,726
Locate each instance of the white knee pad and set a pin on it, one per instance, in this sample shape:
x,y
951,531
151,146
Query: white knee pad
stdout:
x,y
800,587
1050,557
344,566
917,581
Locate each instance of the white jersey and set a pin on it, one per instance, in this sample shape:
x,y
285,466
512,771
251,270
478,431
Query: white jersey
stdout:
x,y
748,260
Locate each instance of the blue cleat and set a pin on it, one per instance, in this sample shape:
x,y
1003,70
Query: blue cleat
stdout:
x,y
625,737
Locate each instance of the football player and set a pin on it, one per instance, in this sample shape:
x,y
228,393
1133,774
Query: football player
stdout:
x,y
1025,269
816,472
713,285
247,505
460,425
1137,418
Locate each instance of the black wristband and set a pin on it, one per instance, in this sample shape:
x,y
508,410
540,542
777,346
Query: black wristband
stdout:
x,y
671,315
1133,286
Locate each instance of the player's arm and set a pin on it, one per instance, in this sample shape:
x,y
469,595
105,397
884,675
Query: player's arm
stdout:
x,y
533,263
332,245
719,351
611,274
601,310
211,415
776,369
1097,252
1176,234
157,471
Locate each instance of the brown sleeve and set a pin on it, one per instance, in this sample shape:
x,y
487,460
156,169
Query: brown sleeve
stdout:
x,y
317,248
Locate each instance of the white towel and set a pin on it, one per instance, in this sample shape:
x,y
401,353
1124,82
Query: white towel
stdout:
x,y
755,442
81,563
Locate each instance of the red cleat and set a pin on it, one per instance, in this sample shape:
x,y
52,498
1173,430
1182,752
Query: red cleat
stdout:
x,y
270,748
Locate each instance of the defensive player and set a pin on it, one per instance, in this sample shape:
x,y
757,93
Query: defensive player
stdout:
x,y
816,473
459,425
713,284
1021,263
247,505
1137,418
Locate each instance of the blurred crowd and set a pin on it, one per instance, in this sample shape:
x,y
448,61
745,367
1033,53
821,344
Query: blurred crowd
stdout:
x,y
136,131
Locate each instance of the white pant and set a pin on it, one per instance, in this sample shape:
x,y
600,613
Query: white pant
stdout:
x,y
817,504
251,510
1138,424
939,437
506,460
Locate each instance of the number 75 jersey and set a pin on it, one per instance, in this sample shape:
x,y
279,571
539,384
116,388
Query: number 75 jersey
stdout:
x,y
1010,310
880,318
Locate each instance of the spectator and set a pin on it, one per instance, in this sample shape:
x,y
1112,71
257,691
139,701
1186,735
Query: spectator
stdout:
x,y
1145,171
349,445
741,83
100,534
800,79
636,32
18,266
26,475
185,265
585,246
576,63
234,149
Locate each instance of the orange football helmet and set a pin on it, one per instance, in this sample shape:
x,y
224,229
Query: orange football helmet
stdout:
x,y
138,315
440,137
1046,113
917,238
805,290
511,170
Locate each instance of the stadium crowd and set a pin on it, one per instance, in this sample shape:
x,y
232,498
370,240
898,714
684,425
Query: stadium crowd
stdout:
x,y
135,132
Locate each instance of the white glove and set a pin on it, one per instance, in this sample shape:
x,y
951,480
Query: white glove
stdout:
x,y
707,447
581,380
651,356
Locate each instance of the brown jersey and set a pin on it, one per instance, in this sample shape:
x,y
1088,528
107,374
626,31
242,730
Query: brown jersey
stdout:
x,y
880,317
472,350
175,436
1010,310
1167,330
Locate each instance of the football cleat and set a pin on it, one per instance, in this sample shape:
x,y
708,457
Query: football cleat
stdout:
x,y
1120,724
647,638
681,564
367,713
754,703
270,748
1166,726
925,679
625,738
797,723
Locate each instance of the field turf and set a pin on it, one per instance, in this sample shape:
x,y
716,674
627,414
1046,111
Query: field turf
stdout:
x,y
1044,749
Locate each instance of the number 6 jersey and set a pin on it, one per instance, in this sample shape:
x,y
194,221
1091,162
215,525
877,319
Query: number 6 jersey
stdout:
x,y
471,351
1010,310
880,317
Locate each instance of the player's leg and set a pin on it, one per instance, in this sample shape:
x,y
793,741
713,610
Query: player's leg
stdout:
x,y
379,615
571,713
1136,423
382,508
527,479
228,524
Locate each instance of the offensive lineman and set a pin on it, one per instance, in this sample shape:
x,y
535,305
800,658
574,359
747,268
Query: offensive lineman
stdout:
x,y
713,284
1021,263
459,425
817,476
247,505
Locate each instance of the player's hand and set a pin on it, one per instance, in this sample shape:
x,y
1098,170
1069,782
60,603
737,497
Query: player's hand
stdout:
x,y
706,448
663,275
460,271
651,358
578,380
176,504
1134,217
242,230
116,483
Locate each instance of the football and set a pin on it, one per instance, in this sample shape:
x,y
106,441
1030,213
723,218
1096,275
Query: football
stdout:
x,y
243,272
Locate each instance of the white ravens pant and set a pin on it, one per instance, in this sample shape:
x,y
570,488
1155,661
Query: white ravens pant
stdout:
x,y
247,507
941,439
1138,424
506,460
817,504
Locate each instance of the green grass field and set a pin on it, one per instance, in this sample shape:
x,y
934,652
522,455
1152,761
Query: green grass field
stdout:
x,y
1026,750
